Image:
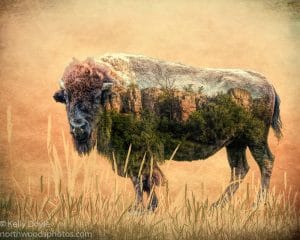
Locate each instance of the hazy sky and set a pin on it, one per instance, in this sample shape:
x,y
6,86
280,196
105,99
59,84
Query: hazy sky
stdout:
x,y
39,38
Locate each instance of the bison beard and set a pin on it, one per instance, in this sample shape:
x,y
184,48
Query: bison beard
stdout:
x,y
83,147
149,109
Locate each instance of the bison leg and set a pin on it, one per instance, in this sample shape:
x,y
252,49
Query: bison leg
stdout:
x,y
144,184
236,154
138,188
148,187
265,159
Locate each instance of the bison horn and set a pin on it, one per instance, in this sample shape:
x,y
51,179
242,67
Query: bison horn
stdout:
x,y
62,84
107,86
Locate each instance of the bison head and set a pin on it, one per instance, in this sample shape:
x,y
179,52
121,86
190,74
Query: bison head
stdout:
x,y
82,90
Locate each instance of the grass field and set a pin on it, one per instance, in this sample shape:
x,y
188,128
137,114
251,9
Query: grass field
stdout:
x,y
74,202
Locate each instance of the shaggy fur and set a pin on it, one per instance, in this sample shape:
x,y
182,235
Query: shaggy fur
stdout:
x,y
80,78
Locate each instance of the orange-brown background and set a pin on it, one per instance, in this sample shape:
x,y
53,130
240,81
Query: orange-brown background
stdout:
x,y
39,38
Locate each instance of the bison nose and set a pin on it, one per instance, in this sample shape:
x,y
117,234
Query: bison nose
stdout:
x,y
78,126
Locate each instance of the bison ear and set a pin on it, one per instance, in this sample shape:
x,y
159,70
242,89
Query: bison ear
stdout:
x,y
59,96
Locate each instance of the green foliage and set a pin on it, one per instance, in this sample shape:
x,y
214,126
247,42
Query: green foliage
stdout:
x,y
221,118
127,129
168,105
104,132
157,135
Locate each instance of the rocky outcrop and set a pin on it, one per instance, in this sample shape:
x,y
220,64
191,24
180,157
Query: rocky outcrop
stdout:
x,y
241,97
178,104
150,99
175,104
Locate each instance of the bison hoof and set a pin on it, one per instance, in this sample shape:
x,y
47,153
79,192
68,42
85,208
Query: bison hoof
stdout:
x,y
140,210
153,205
136,209
259,204
218,204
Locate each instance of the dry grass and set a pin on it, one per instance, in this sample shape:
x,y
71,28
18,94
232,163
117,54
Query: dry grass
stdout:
x,y
73,199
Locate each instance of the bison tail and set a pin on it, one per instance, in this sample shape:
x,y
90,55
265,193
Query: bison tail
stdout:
x,y
276,120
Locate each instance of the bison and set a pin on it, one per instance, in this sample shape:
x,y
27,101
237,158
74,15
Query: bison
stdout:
x,y
140,111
